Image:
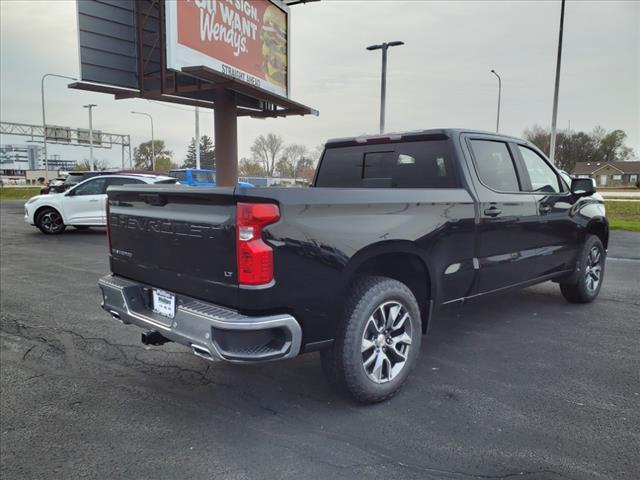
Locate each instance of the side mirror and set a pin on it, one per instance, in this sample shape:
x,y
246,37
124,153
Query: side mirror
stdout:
x,y
583,187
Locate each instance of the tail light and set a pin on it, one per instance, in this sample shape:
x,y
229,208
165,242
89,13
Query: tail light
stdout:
x,y
255,258
108,227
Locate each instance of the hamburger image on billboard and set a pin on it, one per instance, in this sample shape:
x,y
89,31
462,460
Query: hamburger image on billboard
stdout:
x,y
246,39
274,45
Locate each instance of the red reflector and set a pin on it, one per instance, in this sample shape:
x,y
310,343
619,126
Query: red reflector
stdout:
x,y
254,256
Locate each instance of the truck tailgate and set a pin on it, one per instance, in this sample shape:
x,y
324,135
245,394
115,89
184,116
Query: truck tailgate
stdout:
x,y
177,238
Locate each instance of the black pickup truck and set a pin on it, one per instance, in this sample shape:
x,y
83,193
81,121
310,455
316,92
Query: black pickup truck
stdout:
x,y
393,226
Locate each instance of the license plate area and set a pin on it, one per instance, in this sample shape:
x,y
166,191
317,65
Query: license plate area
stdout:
x,y
163,303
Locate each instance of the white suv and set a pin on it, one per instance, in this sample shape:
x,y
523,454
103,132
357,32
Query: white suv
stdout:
x,y
82,206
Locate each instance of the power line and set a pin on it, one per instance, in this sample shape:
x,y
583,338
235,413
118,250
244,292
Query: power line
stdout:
x,y
171,106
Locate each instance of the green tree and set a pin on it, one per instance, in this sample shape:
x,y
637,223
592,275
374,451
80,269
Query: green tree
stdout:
x,y
207,154
164,164
572,147
265,149
85,165
190,159
611,147
142,154
250,168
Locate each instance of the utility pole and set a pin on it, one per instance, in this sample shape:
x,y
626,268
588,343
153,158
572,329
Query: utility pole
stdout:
x,y
383,82
499,98
90,107
197,138
554,118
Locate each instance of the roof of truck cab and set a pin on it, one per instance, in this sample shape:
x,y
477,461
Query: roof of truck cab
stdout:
x,y
430,134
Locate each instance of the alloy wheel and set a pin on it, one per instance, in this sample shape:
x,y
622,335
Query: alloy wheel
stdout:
x,y
593,272
386,342
52,222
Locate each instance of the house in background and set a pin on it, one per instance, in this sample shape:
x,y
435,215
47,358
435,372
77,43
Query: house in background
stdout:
x,y
609,174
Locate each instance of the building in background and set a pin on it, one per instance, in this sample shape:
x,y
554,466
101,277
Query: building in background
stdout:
x,y
609,174
16,160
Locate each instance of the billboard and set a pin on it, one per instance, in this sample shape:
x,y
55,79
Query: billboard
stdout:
x,y
244,39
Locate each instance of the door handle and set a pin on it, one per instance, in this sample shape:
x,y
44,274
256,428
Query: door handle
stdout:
x,y
545,208
94,200
493,211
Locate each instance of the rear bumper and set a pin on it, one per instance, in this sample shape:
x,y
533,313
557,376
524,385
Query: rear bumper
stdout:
x,y
211,331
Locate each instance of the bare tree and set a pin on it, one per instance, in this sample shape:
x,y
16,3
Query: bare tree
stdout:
x,y
265,149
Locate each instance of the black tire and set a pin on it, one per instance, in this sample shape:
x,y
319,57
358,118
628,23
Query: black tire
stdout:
x,y
345,364
49,221
584,284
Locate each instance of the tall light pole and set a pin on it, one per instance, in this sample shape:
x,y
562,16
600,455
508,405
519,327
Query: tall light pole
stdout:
x,y
499,98
153,147
44,121
383,86
554,118
197,138
90,107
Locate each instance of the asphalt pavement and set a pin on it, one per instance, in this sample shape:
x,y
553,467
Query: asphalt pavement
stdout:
x,y
522,386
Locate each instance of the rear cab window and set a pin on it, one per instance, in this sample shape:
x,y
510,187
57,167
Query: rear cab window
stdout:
x,y
418,164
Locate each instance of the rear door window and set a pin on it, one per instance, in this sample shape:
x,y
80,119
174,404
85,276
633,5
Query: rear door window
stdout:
x,y
422,164
495,165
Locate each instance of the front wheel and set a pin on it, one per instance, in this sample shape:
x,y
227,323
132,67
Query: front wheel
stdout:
x,y
585,283
49,221
378,343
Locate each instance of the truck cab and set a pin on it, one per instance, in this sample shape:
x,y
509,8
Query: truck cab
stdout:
x,y
198,177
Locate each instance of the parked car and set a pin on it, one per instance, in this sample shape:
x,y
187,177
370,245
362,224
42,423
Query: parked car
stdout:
x,y
54,185
392,227
75,177
198,177
83,205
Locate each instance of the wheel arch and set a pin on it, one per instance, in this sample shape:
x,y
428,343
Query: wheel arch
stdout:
x,y
400,260
599,227
48,207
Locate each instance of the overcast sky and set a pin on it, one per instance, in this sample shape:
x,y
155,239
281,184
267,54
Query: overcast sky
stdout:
x,y
440,78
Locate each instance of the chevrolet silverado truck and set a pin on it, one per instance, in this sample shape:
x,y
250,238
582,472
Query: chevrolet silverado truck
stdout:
x,y
393,227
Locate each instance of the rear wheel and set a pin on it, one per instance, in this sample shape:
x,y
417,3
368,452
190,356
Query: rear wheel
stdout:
x,y
378,343
49,221
585,283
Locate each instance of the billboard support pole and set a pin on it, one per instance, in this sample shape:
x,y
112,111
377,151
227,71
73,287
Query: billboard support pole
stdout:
x,y
197,138
226,138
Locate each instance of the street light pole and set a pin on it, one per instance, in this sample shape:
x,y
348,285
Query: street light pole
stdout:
x,y
499,98
90,107
554,118
44,121
153,147
383,82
